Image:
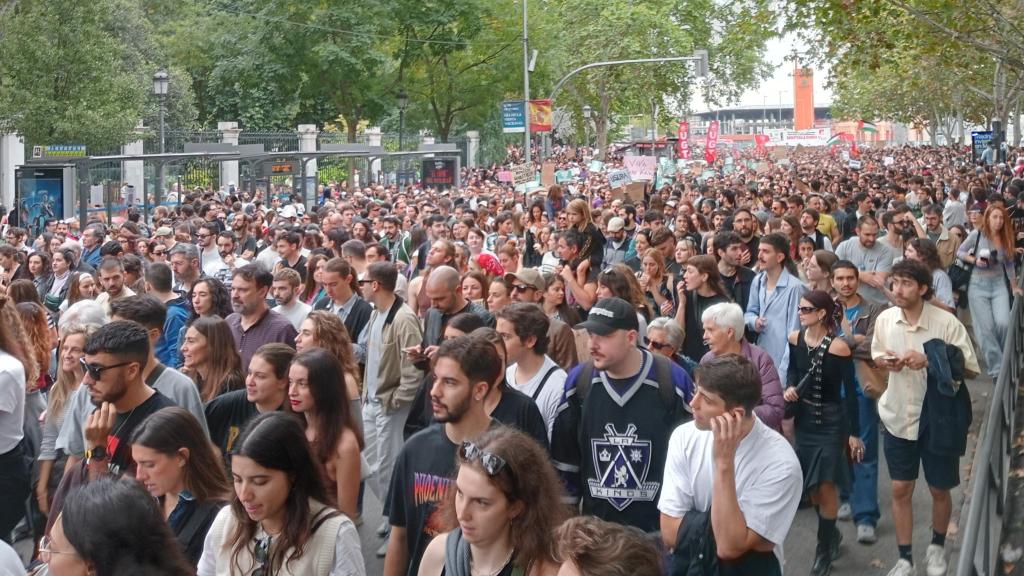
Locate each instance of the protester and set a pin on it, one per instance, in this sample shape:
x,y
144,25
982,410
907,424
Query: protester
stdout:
x,y
588,546
176,464
322,329
279,521
253,323
210,358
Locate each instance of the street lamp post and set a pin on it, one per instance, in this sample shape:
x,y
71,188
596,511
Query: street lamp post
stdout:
x,y
403,103
161,83
586,123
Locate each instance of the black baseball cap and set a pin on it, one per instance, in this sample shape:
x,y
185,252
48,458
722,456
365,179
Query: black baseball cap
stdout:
x,y
609,315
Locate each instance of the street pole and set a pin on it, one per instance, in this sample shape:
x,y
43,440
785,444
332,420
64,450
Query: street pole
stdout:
x,y
401,144
526,85
781,125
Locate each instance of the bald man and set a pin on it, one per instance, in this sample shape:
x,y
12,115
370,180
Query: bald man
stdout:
x,y
446,301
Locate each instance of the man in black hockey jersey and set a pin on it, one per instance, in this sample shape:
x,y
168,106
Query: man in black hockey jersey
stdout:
x,y
610,438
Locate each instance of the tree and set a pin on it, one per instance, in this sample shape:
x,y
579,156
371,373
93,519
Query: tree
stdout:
x,y
82,83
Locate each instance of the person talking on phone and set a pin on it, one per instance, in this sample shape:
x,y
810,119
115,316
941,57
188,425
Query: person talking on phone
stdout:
x,y
821,385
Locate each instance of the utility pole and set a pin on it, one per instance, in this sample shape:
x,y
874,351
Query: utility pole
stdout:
x,y
526,84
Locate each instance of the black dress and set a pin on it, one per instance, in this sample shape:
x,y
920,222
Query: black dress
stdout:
x,y
693,341
826,414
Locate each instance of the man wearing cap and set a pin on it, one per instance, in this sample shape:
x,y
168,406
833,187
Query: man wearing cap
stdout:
x,y
618,244
528,286
165,235
610,438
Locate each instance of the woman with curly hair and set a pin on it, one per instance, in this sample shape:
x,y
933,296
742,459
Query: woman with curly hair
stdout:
x,y
323,329
18,367
505,505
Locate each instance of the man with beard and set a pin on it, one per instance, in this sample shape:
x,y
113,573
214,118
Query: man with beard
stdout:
x,y
245,244
743,225
441,253
737,277
873,259
464,369
610,436
253,323
754,473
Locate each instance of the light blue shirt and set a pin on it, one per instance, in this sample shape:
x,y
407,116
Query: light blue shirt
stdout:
x,y
779,309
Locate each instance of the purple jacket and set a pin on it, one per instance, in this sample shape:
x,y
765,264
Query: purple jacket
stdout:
x,y
772,406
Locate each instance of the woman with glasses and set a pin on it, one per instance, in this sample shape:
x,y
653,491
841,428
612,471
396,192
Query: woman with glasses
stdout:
x,y
821,385
176,464
279,521
700,288
211,358
503,509
665,337
331,426
108,528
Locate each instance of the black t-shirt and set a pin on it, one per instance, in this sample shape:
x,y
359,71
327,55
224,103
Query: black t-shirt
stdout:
x,y
118,441
248,244
1016,214
420,481
520,411
299,266
226,416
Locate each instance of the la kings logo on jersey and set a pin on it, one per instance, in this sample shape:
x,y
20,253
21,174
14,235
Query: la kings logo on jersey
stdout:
x,y
621,462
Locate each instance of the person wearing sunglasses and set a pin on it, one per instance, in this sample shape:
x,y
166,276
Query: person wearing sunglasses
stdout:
x,y
464,370
506,506
111,527
279,521
822,385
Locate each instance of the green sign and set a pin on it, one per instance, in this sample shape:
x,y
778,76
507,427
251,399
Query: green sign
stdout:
x,y
59,151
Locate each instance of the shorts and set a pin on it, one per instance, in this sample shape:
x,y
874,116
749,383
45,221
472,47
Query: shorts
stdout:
x,y
905,458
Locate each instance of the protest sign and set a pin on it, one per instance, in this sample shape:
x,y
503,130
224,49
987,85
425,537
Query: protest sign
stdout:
x,y
522,173
547,174
641,167
618,178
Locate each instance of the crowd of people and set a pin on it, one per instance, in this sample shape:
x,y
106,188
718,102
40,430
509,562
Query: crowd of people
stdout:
x,y
564,380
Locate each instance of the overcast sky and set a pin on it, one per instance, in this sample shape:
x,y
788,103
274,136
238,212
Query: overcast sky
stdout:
x,y
781,81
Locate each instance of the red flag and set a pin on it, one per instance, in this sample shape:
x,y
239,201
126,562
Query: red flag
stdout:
x,y
684,140
711,144
761,140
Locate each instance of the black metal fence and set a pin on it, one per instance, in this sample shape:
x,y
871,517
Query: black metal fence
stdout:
x,y
984,530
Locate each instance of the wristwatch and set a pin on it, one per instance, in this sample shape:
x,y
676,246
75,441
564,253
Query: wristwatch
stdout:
x,y
97,453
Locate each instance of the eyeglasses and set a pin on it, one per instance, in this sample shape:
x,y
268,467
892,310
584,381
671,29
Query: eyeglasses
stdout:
x,y
203,235
657,345
45,552
365,281
806,309
262,555
95,371
491,463
522,287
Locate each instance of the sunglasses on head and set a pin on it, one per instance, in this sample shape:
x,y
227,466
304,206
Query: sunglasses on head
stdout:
x,y
491,463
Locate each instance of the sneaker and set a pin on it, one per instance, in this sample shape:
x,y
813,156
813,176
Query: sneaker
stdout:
x,y
383,550
866,534
935,560
903,568
382,530
845,511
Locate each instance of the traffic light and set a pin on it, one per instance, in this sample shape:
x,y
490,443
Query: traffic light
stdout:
x,y
700,67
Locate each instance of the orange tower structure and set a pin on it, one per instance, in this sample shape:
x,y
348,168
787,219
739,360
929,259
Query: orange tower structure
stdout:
x,y
803,99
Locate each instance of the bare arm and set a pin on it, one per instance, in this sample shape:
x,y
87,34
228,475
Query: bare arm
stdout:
x,y
397,560
346,469
670,530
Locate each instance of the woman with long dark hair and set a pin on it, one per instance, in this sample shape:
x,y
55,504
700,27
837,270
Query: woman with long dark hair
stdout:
x,y
63,263
323,329
18,366
553,301
176,464
821,383
112,528
502,512
211,357
39,267
700,289
331,427
279,521
314,287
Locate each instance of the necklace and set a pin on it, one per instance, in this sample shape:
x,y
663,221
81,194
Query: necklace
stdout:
x,y
500,566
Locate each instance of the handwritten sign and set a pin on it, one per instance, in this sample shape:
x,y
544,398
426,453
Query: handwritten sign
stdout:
x,y
522,173
547,174
641,167
618,178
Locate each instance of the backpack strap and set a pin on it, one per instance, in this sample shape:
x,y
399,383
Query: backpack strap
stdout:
x,y
666,383
158,371
543,382
203,512
584,379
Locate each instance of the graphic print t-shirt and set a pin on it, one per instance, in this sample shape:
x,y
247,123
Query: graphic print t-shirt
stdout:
x,y
420,482
118,446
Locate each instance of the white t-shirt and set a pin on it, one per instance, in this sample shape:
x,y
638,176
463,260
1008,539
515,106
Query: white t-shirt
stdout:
x,y
296,312
548,398
12,402
769,482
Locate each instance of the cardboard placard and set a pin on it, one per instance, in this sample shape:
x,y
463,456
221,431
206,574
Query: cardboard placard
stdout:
x,y
641,167
888,160
618,178
504,175
522,173
596,166
547,174
779,152
635,190
854,164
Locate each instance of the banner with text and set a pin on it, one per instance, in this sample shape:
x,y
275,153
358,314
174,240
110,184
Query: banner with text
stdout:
x,y
684,140
513,117
711,144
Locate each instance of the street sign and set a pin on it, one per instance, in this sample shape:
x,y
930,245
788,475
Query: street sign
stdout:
x,y
59,151
979,141
513,117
